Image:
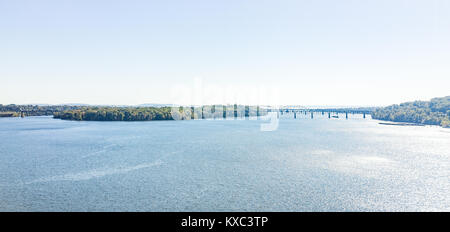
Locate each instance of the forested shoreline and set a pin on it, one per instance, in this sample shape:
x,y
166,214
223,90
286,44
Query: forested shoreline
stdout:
x,y
115,114
158,113
130,113
433,112
32,110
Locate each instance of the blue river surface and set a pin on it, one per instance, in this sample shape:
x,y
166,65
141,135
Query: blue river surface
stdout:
x,y
306,164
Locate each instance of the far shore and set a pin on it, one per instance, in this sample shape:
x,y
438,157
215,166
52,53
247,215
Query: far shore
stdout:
x,y
401,124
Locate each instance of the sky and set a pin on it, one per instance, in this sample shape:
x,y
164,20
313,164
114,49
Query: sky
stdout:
x,y
299,52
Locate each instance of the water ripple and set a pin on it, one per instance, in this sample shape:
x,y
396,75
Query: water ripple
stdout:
x,y
96,173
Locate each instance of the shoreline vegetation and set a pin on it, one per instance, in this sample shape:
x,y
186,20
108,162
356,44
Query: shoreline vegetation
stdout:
x,y
159,113
32,110
433,112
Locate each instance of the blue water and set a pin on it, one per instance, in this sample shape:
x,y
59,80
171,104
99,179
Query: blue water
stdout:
x,y
307,164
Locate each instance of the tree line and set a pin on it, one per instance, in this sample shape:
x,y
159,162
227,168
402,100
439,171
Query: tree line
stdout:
x,y
158,113
433,112
115,114
32,110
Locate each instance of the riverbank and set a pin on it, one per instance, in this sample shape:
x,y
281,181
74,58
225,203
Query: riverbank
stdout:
x,y
401,124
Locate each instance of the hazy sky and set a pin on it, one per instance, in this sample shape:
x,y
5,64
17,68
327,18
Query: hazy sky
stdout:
x,y
313,52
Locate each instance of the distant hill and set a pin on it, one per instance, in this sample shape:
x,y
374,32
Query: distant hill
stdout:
x,y
433,112
74,104
155,105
